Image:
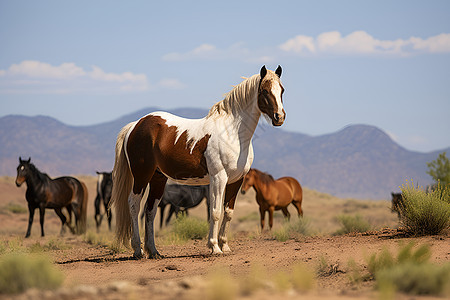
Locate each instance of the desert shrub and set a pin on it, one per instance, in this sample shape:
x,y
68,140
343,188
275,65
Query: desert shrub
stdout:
x,y
409,271
103,240
350,224
21,271
220,285
303,279
425,212
186,228
15,208
301,226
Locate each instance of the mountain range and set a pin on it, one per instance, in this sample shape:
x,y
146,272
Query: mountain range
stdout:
x,y
358,161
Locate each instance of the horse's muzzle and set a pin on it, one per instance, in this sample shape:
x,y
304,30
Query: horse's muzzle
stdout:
x,y
278,119
19,181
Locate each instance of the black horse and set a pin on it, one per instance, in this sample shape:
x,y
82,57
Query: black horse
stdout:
x,y
104,189
397,203
44,192
181,198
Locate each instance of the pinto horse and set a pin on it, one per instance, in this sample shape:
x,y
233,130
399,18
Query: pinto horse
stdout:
x,y
273,194
44,192
104,190
214,150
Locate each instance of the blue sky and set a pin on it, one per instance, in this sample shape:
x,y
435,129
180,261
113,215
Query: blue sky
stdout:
x,y
383,63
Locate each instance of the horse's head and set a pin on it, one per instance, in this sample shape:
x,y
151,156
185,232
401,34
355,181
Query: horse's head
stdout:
x,y
248,181
270,95
22,171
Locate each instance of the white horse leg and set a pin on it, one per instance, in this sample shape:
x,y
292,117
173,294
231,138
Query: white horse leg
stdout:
x,y
217,190
223,239
149,244
134,202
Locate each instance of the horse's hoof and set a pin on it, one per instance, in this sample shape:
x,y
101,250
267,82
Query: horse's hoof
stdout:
x,y
155,256
226,248
138,254
216,250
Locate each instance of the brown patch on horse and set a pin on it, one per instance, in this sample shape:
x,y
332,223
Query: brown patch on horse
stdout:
x,y
151,145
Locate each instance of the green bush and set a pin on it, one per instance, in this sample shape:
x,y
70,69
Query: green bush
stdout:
x,y
409,271
352,224
21,271
189,228
299,227
425,212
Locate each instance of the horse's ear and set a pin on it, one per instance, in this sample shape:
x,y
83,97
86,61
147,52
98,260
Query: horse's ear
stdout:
x,y
20,159
29,159
263,72
278,71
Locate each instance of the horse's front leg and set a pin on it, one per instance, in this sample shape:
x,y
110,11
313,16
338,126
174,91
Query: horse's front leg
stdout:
x,y
216,195
30,219
41,217
231,192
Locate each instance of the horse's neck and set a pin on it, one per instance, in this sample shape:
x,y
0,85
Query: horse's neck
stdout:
x,y
36,180
261,187
245,120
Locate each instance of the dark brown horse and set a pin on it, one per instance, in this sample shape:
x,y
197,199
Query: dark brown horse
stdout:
x,y
215,150
44,192
273,194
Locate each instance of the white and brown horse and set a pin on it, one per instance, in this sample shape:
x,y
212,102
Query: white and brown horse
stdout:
x,y
214,150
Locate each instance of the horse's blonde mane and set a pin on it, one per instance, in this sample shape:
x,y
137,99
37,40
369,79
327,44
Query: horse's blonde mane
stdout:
x,y
237,98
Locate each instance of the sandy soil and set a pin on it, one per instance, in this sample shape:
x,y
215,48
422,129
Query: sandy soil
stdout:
x,y
185,272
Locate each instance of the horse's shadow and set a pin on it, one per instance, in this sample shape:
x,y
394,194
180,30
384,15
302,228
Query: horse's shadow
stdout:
x,y
111,258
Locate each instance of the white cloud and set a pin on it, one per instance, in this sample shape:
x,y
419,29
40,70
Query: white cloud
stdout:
x,y
39,77
236,51
360,42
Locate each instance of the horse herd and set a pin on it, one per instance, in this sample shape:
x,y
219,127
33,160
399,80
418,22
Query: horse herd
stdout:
x,y
215,151
70,193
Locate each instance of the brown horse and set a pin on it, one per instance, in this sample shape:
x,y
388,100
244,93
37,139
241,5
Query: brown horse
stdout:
x,y
215,150
44,192
273,194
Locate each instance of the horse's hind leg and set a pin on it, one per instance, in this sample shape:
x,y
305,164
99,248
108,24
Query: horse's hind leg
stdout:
x,y
98,217
230,199
157,184
63,220
298,205
286,213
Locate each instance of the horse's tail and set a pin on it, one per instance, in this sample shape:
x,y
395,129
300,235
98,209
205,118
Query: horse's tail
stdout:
x,y
81,226
122,184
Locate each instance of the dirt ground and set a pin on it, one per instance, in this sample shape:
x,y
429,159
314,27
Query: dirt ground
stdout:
x,y
94,271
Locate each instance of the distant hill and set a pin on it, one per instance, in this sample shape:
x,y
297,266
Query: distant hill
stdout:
x,y
359,161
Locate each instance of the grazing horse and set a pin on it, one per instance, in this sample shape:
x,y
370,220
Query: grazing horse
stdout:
x,y
104,190
215,150
397,203
180,198
273,194
44,192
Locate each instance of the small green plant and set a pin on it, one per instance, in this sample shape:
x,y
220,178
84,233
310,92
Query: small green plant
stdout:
x,y
21,271
352,224
423,212
189,228
409,271
221,286
303,279
16,208
299,227
56,244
